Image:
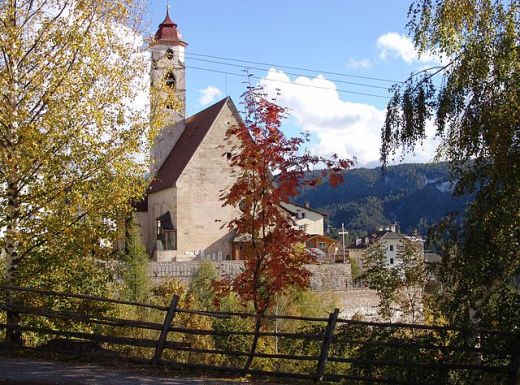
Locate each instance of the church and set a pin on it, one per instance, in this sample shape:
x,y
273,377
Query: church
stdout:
x,y
182,218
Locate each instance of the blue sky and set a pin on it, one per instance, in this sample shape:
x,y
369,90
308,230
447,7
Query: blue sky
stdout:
x,y
350,37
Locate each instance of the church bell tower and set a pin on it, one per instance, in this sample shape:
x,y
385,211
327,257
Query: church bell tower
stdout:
x,y
168,69
168,76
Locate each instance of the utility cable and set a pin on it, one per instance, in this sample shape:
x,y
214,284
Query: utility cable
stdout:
x,y
293,68
288,73
285,82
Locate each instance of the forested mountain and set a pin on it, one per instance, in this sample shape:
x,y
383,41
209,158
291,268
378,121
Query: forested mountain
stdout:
x,y
414,195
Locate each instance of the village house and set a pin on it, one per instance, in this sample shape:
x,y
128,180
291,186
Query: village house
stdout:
x,y
391,240
182,217
312,222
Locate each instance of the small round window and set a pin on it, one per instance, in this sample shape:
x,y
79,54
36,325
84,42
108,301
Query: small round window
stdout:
x,y
169,53
170,80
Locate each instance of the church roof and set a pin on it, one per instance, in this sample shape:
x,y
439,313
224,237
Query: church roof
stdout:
x,y
197,126
168,33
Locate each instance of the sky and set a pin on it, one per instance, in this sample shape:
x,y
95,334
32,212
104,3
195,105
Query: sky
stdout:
x,y
332,61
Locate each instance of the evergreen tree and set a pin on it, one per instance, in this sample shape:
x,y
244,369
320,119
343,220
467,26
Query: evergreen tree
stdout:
x,y
201,284
135,265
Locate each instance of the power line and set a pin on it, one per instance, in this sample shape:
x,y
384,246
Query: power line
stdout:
x,y
288,73
295,68
291,83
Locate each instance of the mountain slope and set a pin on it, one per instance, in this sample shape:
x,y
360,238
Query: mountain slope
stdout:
x,y
415,195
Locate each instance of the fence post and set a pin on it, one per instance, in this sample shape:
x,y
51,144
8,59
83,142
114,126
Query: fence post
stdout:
x,y
165,329
327,341
514,367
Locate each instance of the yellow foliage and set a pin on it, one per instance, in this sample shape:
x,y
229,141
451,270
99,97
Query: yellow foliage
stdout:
x,y
72,138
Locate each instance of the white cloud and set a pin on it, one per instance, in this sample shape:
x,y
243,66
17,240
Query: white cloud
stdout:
x,y
345,128
209,95
392,44
362,63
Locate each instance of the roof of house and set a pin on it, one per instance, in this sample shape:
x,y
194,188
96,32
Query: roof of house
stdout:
x,y
319,236
197,126
303,207
387,234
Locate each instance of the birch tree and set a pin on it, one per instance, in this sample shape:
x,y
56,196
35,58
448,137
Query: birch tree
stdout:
x,y
474,99
70,131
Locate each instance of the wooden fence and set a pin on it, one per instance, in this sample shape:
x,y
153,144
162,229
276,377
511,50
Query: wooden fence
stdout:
x,y
326,349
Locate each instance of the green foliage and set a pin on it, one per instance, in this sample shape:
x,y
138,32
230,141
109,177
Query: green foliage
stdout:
x,y
3,266
69,164
201,284
504,308
134,265
389,345
231,303
403,347
69,274
354,268
380,277
163,293
476,109
399,286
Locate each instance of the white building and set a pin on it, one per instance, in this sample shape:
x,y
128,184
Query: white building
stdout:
x,y
391,242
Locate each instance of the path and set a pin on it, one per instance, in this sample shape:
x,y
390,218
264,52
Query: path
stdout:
x,y
18,371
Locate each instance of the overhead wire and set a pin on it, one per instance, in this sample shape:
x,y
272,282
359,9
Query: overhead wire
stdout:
x,y
293,67
288,73
288,82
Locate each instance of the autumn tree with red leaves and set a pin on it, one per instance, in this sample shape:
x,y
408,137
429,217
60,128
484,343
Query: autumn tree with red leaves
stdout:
x,y
270,168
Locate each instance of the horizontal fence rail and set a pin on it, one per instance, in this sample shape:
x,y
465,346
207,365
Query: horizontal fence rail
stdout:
x,y
318,349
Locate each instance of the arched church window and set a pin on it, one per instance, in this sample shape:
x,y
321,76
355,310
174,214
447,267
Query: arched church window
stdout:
x,y
170,80
169,53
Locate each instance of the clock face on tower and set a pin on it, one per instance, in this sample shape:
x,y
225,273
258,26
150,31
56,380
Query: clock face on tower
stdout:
x,y
169,53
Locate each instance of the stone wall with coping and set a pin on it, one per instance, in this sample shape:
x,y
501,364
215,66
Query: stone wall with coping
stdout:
x,y
324,276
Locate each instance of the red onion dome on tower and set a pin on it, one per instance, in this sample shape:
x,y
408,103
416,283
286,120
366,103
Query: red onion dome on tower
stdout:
x,y
168,33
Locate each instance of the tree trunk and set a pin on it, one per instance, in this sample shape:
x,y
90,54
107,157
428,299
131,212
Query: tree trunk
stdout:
x,y
12,336
258,325
12,208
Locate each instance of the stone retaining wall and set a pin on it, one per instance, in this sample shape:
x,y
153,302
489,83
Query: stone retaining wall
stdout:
x,y
360,302
324,276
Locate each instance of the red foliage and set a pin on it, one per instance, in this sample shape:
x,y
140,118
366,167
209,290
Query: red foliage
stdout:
x,y
270,169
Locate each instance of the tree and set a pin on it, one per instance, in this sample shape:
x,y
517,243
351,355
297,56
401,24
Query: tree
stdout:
x,y
69,132
201,284
135,265
399,286
269,170
354,268
380,278
477,113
